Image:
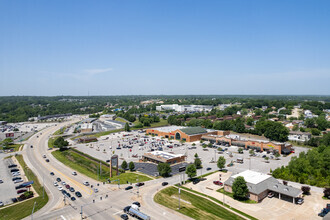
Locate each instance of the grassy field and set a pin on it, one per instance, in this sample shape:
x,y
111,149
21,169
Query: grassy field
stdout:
x,y
232,196
13,146
60,131
158,124
220,202
131,177
90,166
120,120
192,205
51,142
23,209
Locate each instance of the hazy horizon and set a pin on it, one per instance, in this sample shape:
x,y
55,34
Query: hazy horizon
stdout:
x,y
109,48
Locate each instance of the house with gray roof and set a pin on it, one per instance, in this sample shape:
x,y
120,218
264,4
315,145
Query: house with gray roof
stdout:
x,y
260,185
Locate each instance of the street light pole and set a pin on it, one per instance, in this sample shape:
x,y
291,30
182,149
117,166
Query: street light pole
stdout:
x,y
179,196
43,186
33,210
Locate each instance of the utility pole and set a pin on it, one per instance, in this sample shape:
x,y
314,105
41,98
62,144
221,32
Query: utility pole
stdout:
x,y
33,210
100,169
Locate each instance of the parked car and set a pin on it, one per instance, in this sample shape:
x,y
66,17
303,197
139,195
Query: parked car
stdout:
x,y
218,183
137,203
47,160
74,173
124,216
195,181
73,198
55,183
60,188
78,194
16,178
44,156
14,170
1,181
16,174
71,189
300,201
14,200
164,183
271,195
18,181
139,184
324,212
52,174
129,187
96,190
67,186
58,179
21,191
1,204
209,168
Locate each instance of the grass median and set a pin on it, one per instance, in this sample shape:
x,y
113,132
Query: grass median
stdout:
x,y
192,205
231,195
24,209
90,166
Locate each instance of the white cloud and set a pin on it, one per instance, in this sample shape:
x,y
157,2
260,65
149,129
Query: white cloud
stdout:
x,y
97,71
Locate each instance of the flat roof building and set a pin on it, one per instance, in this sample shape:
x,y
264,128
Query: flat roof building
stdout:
x,y
188,134
163,157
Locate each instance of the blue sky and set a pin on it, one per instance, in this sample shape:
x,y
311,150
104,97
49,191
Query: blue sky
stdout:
x,y
119,47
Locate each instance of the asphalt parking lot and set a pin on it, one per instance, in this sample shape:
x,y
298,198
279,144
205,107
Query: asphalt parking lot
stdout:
x,y
7,188
107,146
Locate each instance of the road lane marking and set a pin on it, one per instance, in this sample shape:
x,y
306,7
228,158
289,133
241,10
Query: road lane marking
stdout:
x,y
48,166
63,217
118,212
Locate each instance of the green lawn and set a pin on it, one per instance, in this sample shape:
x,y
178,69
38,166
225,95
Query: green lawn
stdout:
x,y
120,120
131,177
158,124
89,166
192,205
60,131
23,209
232,196
51,142
13,146
220,202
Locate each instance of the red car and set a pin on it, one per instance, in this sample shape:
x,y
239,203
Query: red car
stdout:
x,y
218,183
67,186
21,191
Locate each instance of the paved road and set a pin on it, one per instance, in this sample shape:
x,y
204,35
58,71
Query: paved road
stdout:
x,y
105,208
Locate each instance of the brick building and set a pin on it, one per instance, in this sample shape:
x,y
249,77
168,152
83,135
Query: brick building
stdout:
x,y
163,157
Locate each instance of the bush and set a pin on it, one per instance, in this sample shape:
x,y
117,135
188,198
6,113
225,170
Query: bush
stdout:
x,y
131,166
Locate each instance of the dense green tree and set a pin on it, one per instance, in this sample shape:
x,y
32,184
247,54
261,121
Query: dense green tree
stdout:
x,y
249,121
127,128
322,123
124,165
221,162
240,188
198,163
164,169
191,171
61,143
315,131
310,122
131,166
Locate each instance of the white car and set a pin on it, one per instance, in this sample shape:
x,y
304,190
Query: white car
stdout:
x,y
86,183
96,190
1,204
44,156
74,173
16,174
55,183
60,188
18,181
63,183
